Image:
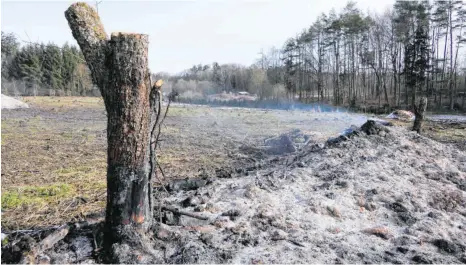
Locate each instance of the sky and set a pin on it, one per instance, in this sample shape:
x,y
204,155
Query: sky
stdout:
x,y
183,33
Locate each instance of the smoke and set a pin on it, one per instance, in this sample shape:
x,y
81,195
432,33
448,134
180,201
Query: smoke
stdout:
x,y
264,104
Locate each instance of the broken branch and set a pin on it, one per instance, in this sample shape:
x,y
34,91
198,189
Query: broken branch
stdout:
x,y
53,238
31,256
180,212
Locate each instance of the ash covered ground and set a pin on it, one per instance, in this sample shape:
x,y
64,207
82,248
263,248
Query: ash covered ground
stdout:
x,y
382,194
393,197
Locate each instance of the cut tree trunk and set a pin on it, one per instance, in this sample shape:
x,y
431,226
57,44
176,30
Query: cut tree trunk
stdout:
x,y
419,111
119,67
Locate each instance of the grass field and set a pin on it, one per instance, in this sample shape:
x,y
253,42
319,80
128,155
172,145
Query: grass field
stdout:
x,y
54,153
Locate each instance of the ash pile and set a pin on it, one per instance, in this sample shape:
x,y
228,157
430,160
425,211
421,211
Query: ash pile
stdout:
x,y
286,143
296,140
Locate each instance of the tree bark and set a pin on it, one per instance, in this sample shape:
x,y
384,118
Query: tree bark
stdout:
x,y
119,67
419,111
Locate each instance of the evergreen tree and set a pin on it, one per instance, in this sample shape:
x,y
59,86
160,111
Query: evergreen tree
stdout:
x,y
52,65
27,67
10,47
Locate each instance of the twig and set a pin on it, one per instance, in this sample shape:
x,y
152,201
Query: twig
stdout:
x,y
161,122
154,96
284,171
87,223
163,175
160,213
159,108
69,205
295,242
180,212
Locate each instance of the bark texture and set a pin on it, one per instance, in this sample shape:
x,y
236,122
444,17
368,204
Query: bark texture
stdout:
x,y
119,67
419,111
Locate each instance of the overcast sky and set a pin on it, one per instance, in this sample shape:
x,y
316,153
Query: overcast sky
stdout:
x,y
183,33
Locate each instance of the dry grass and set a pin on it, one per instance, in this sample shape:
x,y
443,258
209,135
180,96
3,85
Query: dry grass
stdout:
x,y
65,102
51,172
54,159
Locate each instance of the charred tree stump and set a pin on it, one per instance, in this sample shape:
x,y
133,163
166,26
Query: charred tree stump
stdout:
x,y
119,67
419,111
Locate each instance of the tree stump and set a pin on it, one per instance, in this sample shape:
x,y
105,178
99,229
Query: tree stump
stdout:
x,y
419,111
119,67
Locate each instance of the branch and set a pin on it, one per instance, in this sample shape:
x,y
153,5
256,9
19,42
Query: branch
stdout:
x,y
161,122
90,34
180,212
163,175
53,238
30,257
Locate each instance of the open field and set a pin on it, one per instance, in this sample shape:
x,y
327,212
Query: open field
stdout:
x,y
386,196
54,154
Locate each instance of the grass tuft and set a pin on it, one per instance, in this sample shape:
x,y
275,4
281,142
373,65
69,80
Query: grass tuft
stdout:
x,y
30,196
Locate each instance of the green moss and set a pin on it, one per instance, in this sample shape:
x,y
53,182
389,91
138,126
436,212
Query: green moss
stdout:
x,y
98,29
85,11
34,195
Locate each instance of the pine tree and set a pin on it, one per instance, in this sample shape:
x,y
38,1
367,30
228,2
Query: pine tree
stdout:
x,y
27,67
70,62
52,65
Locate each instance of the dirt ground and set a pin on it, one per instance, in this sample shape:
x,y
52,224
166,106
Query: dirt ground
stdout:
x,y
391,197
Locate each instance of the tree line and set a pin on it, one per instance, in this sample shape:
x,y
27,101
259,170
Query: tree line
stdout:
x,y
390,58
352,58
43,69
202,80
345,58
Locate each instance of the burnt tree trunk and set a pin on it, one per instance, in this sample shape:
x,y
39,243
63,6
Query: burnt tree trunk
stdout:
x,y
119,67
419,111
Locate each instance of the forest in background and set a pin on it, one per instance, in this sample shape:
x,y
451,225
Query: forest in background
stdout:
x,y
38,69
345,58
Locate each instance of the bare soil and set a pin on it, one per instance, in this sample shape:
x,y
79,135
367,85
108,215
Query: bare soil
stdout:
x,y
388,197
